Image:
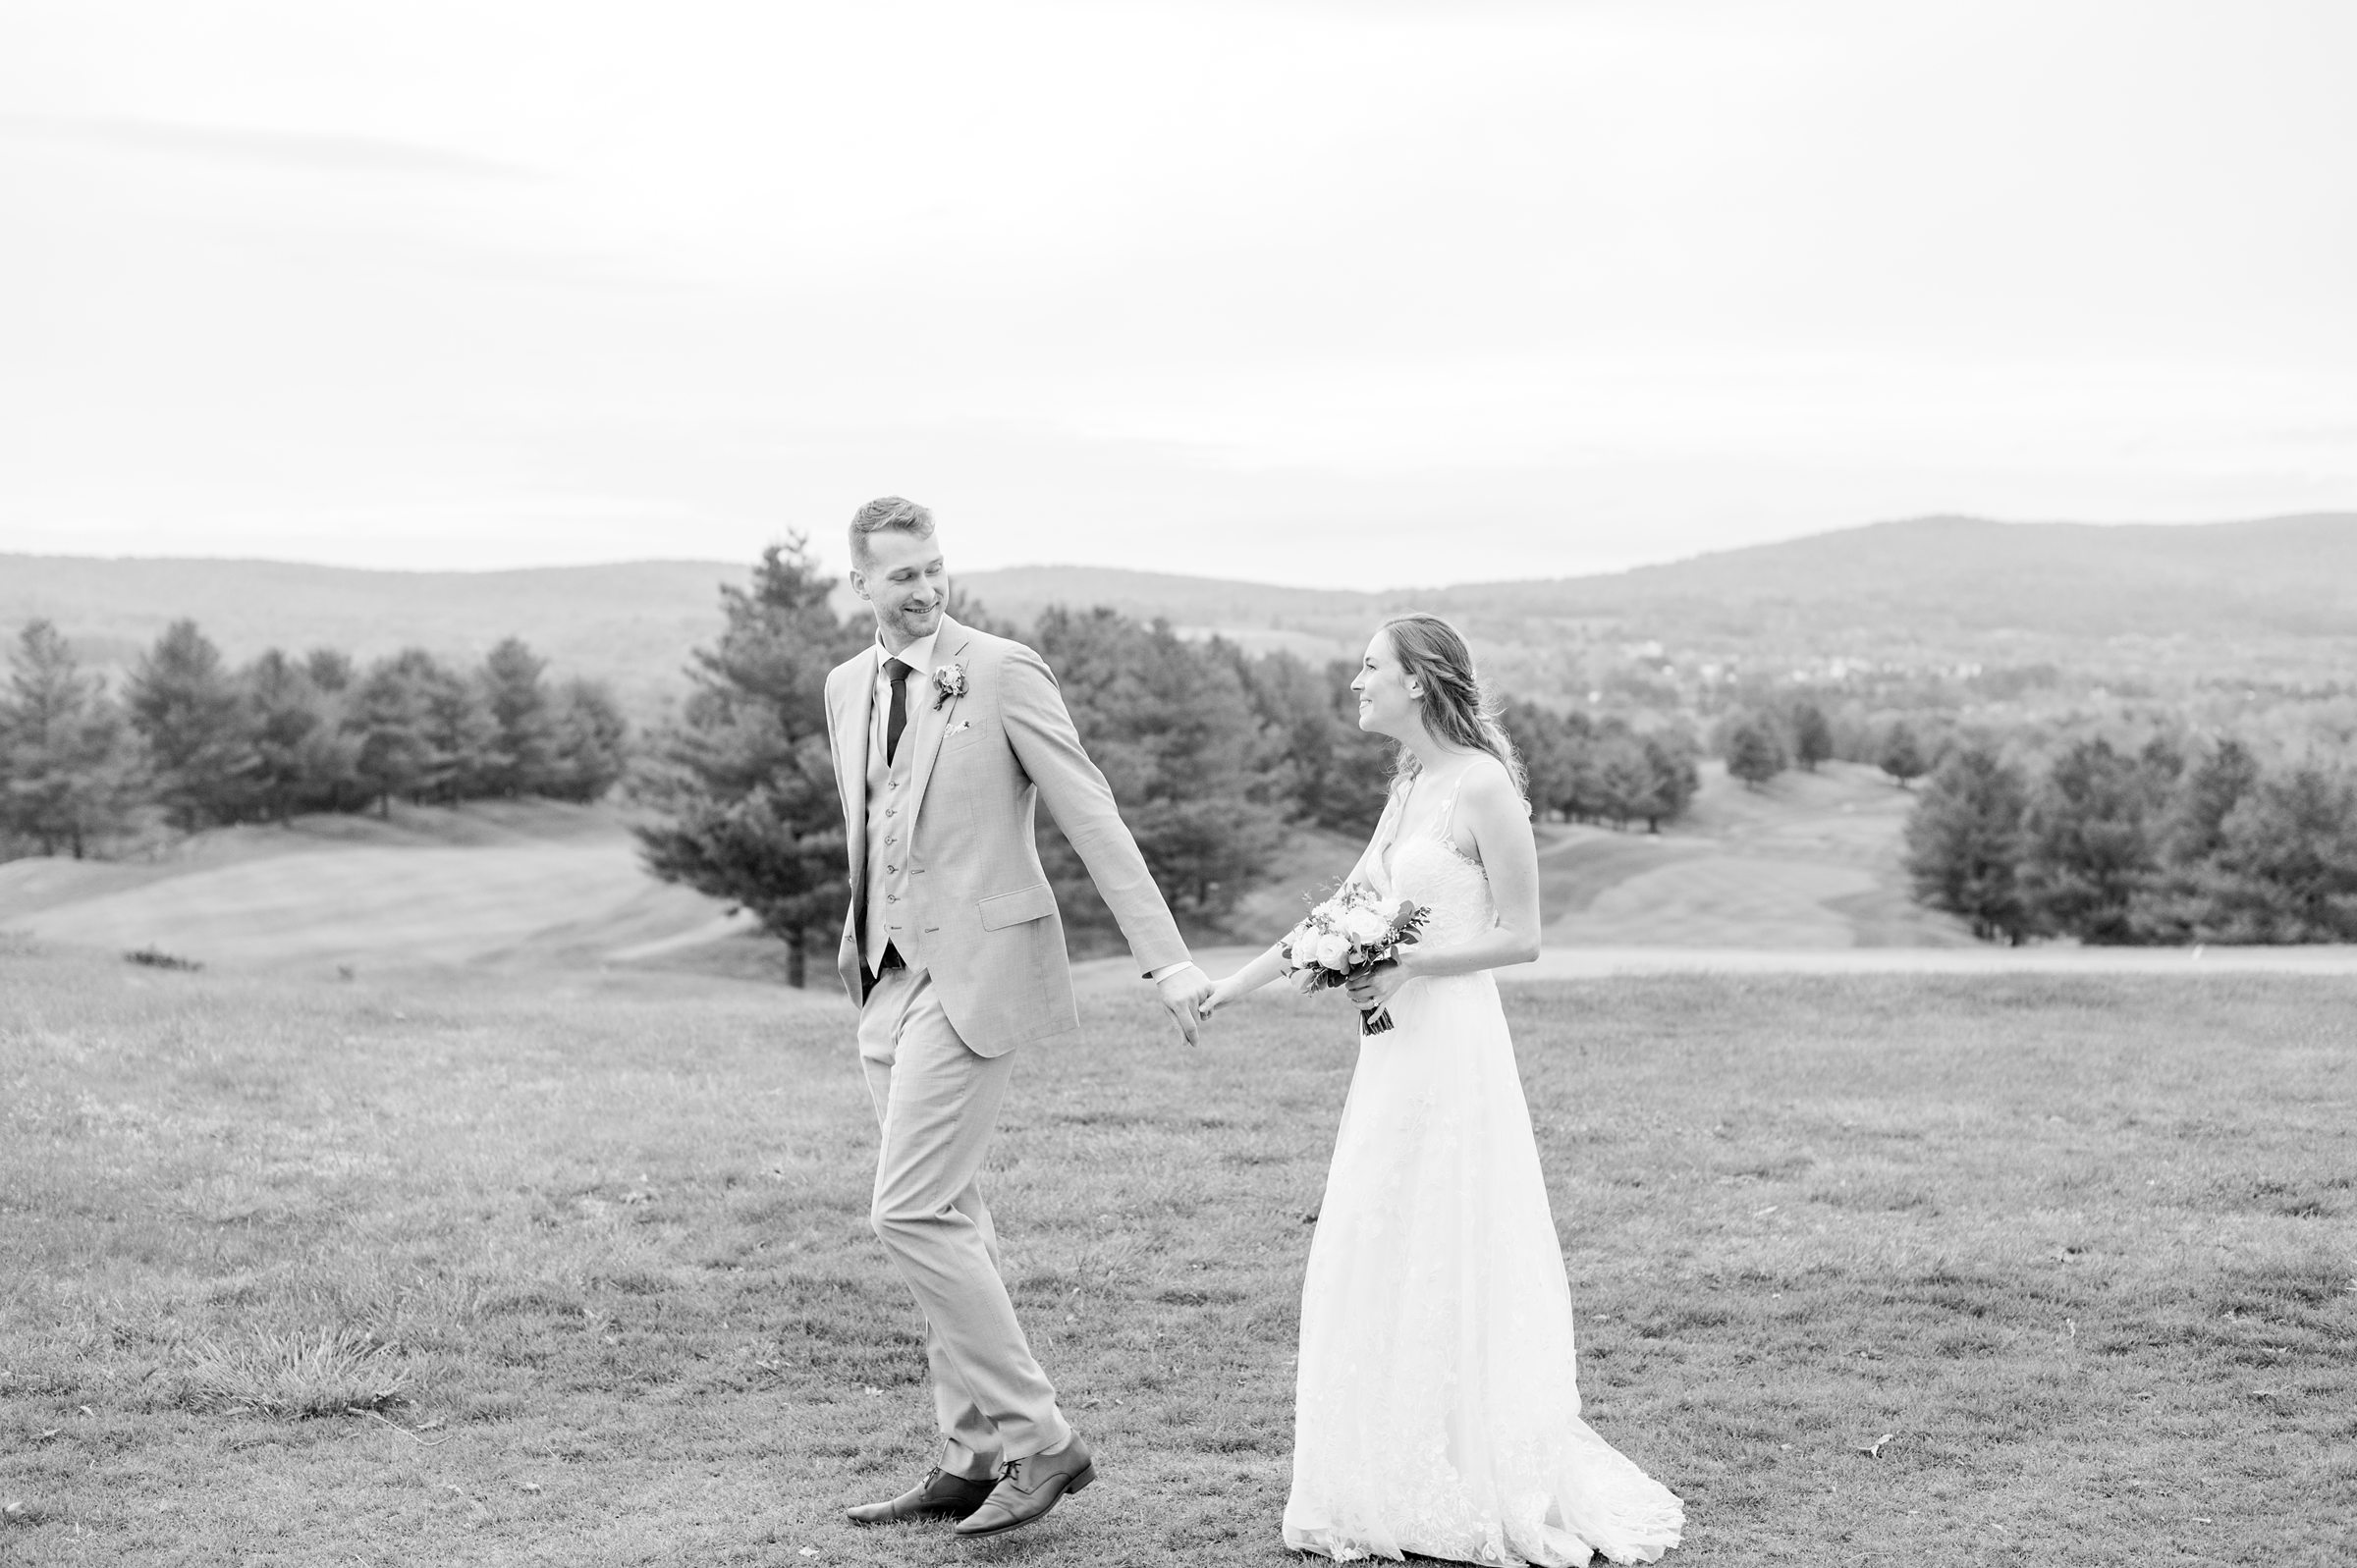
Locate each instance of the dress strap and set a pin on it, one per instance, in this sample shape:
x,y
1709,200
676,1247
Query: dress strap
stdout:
x,y
1378,855
1445,819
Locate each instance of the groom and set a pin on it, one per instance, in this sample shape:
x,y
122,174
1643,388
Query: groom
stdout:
x,y
944,741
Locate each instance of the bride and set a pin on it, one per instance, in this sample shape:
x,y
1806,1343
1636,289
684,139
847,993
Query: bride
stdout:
x,y
1437,1409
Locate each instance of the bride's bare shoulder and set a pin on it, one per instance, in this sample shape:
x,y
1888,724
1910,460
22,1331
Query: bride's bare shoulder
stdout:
x,y
1488,776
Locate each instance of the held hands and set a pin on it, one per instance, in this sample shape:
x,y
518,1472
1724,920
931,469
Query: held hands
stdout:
x,y
1222,992
1185,990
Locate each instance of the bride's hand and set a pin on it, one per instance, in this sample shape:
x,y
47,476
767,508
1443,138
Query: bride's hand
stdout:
x,y
1222,992
1378,986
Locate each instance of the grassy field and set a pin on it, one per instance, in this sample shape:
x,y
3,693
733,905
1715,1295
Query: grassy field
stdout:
x,y
496,881
1805,860
1892,1270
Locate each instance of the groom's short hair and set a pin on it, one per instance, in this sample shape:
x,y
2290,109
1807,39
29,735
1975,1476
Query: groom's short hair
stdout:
x,y
886,514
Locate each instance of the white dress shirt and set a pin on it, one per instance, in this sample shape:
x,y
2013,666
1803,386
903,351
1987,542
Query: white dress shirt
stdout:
x,y
918,657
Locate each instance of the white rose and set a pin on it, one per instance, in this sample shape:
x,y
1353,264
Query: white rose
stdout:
x,y
1301,946
1366,925
1334,951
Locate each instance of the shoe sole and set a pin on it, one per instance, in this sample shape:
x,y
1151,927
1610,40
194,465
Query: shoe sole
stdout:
x,y
915,1515
1079,1483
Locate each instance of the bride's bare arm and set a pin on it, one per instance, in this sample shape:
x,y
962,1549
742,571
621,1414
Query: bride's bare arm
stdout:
x,y
1270,964
1499,825
1245,981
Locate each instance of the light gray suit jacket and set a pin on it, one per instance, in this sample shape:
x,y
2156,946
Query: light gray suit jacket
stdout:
x,y
987,924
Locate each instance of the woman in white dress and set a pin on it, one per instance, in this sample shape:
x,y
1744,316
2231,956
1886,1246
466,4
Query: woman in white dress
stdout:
x,y
1437,1409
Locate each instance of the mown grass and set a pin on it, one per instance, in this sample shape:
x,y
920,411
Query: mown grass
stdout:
x,y
481,1270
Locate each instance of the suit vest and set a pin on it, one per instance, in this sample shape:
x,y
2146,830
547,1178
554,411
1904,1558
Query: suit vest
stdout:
x,y
891,830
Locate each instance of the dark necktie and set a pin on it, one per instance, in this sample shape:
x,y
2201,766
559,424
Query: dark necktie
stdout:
x,y
897,717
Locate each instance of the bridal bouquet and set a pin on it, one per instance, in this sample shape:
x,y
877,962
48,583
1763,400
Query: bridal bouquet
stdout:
x,y
1347,936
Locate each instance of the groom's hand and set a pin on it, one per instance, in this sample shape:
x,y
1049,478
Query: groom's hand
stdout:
x,y
1184,989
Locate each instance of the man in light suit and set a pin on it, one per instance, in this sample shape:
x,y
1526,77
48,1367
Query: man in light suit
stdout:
x,y
945,739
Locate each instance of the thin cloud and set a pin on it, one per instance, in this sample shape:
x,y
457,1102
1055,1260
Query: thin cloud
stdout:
x,y
284,149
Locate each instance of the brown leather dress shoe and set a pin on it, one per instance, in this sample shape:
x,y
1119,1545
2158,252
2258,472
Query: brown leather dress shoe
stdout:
x,y
940,1496
1028,1488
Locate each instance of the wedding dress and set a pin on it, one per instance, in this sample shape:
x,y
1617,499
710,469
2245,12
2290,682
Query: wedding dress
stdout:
x,y
1436,1408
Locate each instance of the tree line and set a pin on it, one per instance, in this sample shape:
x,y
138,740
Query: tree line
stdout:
x,y
1215,756
198,742
1765,739
1590,768
2165,845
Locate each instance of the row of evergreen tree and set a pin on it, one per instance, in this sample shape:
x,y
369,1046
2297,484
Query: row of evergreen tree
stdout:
x,y
1589,769
2162,846
1213,753
201,743
1762,741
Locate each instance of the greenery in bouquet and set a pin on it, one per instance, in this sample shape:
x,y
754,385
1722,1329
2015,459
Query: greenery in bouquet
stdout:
x,y
1347,936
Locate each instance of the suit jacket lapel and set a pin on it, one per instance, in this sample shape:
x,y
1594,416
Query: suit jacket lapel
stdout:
x,y
850,761
931,720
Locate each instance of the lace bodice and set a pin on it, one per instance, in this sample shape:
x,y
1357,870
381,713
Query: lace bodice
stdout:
x,y
1425,864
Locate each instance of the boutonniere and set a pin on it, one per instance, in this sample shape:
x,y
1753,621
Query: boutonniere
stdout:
x,y
949,681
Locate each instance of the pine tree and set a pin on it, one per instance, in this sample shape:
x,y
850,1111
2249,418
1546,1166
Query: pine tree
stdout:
x,y
387,720
198,730
66,775
330,669
2185,828
523,757
304,758
1625,778
743,782
1902,755
1176,738
1332,771
1670,765
1812,736
588,744
2193,830
1754,753
2285,868
459,726
1579,795
1964,841
2087,856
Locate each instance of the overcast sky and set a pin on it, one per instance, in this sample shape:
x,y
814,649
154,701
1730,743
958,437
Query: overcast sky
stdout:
x,y
1372,293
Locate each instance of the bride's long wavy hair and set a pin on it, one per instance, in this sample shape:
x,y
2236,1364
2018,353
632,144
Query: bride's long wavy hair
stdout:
x,y
1457,706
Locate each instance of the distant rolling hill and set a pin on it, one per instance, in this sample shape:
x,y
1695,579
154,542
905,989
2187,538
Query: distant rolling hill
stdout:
x,y
1934,587
2295,576
529,884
